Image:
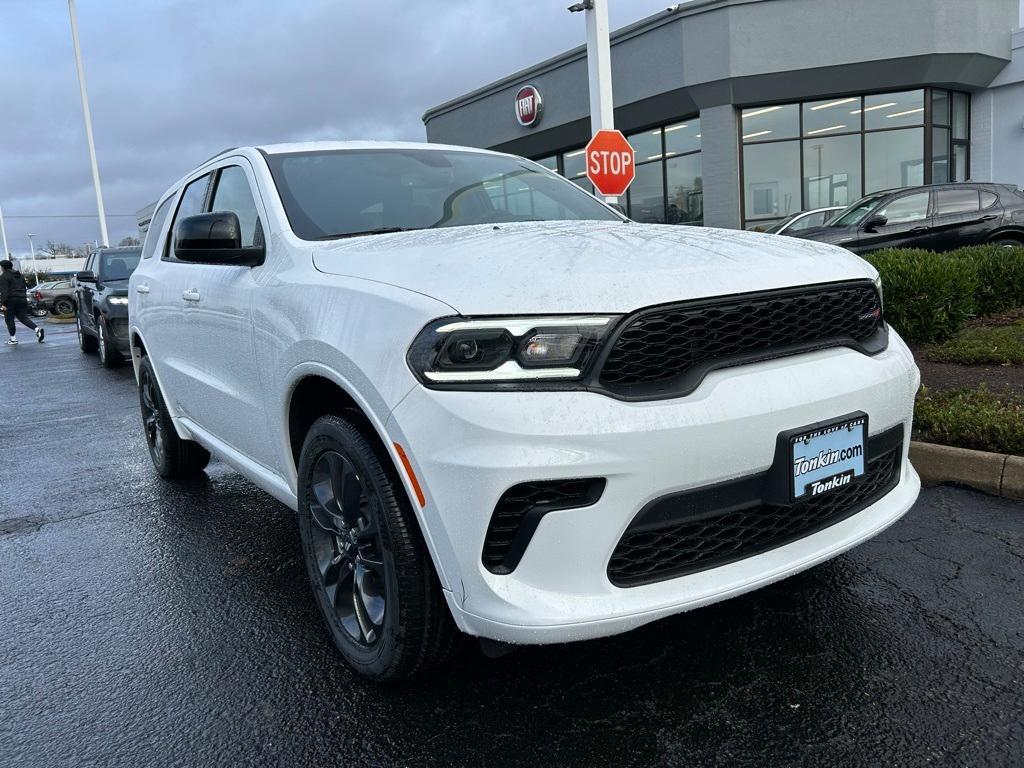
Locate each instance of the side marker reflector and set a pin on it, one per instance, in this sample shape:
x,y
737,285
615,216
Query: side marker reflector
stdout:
x,y
412,475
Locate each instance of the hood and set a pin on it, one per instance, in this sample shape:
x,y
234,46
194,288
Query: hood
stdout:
x,y
583,266
830,235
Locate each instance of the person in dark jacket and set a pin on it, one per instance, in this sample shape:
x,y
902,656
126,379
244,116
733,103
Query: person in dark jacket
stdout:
x,y
14,302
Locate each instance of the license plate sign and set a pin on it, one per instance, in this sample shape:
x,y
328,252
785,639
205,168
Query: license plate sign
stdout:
x,y
827,458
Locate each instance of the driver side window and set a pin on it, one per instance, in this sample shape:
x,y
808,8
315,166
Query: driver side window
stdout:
x,y
906,209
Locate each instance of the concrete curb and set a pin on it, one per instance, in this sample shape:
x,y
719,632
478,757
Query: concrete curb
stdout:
x,y
995,473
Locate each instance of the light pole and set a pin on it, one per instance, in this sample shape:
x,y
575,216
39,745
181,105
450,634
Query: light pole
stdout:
x,y
32,246
88,124
599,66
3,231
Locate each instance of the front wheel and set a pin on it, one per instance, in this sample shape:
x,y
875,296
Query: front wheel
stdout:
x,y
173,458
109,356
86,342
371,575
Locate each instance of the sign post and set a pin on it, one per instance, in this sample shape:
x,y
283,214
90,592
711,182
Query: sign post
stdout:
x,y
599,67
610,165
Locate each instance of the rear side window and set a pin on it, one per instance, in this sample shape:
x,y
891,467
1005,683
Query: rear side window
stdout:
x,y
949,201
232,193
156,226
988,199
193,199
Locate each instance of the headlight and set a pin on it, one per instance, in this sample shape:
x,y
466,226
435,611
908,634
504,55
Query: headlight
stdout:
x,y
454,351
118,301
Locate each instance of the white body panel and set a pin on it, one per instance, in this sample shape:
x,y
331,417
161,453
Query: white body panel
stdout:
x,y
348,311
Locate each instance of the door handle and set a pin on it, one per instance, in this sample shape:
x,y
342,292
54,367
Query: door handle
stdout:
x,y
918,230
989,217
142,288
192,294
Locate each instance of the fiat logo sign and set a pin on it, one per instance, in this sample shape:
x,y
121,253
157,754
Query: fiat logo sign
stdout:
x,y
529,106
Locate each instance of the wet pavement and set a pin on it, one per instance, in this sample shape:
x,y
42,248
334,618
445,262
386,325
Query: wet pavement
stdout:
x,y
143,624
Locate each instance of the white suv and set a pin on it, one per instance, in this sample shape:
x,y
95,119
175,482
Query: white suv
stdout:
x,y
501,408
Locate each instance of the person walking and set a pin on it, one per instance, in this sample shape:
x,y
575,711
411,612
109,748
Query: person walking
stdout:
x,y
14,302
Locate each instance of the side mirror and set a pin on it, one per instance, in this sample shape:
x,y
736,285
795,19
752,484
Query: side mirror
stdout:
x,y
86,276
214,238
620,208
874,222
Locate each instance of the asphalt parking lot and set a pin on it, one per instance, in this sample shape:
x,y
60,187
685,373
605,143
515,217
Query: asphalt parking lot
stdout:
x,y
143,624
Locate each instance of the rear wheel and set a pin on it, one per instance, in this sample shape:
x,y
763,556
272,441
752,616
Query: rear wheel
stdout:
x,y
371,575
63,305
1009,242
173,457
109,356
86,342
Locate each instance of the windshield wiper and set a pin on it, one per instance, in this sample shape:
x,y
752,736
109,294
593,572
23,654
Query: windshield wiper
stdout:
x,y
377,231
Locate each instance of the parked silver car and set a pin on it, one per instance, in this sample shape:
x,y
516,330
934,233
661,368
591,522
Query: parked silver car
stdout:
x,y
58,296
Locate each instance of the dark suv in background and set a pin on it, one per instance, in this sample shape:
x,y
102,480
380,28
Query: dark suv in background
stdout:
x,y
101,302
937,217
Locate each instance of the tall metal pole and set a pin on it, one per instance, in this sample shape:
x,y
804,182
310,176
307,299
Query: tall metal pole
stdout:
x,y
599,67
88,124
3,231
31,245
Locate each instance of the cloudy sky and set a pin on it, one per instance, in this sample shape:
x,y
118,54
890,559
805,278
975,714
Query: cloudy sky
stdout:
x,y
173,81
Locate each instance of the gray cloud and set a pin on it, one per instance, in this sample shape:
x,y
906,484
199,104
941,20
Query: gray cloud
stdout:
x,y
173,81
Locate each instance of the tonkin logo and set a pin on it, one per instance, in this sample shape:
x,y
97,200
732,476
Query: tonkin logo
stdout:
x,y
529,106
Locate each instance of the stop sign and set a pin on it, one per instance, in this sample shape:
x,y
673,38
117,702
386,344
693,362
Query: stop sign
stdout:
x,y
610,165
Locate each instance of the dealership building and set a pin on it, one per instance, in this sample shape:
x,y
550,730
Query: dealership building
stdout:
x,y
741,112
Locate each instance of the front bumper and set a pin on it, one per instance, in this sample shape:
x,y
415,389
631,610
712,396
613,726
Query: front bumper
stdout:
x,y
468,448
116,324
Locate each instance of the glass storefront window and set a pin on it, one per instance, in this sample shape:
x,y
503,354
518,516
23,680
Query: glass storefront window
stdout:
x,y
893,110
960,111
769,123
647,194
893,159
551,162
940,106
646,145
685,190
940,155
574,165
832,116
682,137
831,171
771,179
959,162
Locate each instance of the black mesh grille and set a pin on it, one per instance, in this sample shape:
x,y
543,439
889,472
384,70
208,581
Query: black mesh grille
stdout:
x,y
675,346
519,510
644,555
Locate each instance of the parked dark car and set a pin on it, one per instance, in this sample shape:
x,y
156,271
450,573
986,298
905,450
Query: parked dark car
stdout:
x,y
801,220
56,296
101,298
938,217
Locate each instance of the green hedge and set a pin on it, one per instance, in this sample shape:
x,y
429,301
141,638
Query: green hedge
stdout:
x,y
929,296
971,418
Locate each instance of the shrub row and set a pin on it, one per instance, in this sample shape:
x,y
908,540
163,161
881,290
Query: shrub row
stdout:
x,y
971,418
929,296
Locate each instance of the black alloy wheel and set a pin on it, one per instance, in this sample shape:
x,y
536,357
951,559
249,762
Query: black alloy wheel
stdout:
x,y
347,543
63,306
371,574
174,458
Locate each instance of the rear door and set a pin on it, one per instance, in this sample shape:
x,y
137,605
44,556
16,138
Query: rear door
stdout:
x,y
160,290
963,216
224,384
907,224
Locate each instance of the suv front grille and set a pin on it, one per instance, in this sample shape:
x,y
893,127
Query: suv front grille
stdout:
x,y
697,540
666,351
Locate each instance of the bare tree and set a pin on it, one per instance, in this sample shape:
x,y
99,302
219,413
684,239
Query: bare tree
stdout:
x,y
129,240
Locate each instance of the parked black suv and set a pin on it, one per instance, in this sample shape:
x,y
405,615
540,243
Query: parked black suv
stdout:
x,y
938,217
101,302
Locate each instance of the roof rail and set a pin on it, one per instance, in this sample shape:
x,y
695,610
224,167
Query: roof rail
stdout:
x,y
218,154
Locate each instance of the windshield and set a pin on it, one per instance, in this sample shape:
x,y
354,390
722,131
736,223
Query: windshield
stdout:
x,y
343,193
119,265
853,215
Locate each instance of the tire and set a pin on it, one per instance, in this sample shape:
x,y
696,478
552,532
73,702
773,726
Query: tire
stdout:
x,y
369,569
37,310
109,356
86,342
63,306
173,458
